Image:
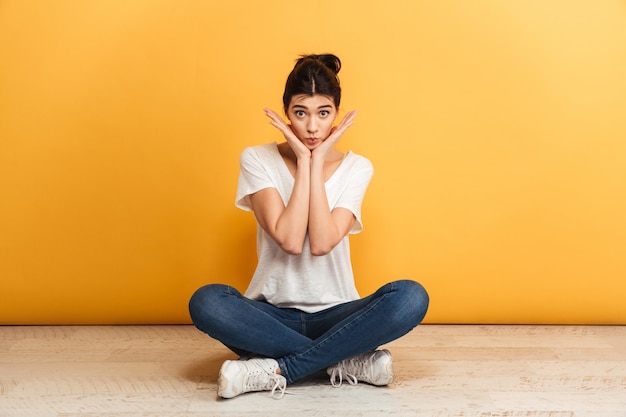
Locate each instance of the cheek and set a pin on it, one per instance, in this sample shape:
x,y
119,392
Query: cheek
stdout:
x,y
328,127
298,128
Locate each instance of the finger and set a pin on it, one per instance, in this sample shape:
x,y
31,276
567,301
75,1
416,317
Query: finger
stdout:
x,y
277,121
347,120
270,112
345,124
350,116
273,116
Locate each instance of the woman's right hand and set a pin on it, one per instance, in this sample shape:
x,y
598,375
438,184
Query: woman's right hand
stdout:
x,y
299,149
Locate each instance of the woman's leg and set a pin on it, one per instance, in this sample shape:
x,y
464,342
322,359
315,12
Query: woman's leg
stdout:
x,y
330,336
244,325
352,328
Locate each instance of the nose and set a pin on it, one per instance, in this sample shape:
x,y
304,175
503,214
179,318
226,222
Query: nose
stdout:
x,y
311,125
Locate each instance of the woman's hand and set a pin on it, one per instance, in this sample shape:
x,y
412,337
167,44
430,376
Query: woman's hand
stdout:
x,y
300,150
336,133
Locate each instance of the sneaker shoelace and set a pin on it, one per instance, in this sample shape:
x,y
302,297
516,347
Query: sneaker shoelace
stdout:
x,y
358,366
336,377
263,381
280,383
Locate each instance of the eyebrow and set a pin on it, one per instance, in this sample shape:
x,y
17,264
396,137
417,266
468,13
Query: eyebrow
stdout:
x,y
300,106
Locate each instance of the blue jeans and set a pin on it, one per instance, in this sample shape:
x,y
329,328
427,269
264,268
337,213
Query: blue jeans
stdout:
x,y
304,343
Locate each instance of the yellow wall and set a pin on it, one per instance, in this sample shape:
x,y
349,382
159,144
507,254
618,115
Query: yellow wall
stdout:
x,y
497,130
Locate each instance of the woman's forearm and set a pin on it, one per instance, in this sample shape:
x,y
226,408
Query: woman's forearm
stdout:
x,y
324,232
292,224
286,224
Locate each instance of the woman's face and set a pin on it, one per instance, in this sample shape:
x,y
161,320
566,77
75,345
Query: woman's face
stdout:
x,y
312,118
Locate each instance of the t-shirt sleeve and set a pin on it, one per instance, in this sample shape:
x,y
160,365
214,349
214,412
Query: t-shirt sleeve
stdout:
x,y
352,196
253,177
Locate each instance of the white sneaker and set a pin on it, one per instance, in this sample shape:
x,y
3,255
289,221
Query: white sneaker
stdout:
x,y
237,377
374,367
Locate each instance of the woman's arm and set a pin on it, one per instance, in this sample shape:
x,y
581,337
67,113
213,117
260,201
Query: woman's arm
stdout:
x,y
326,228
287,225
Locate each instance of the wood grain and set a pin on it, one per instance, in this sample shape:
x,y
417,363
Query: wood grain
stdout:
x,y
441,371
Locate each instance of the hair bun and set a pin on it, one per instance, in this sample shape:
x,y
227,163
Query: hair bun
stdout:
x,y
314,74
332,62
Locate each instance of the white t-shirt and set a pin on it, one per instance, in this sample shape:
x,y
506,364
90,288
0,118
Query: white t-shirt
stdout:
x,y
305,282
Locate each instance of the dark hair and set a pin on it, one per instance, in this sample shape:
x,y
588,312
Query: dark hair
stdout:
x,y
314,74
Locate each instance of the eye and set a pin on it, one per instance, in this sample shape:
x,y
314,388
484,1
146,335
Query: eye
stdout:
x,y
299,113
324,113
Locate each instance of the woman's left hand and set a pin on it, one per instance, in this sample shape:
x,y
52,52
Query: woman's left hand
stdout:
x,y
336,133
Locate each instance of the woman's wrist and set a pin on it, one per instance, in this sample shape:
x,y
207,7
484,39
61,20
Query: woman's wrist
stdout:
x,y
318,155
304,159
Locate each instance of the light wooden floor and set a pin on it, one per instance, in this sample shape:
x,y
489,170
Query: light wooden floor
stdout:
x,y
441,370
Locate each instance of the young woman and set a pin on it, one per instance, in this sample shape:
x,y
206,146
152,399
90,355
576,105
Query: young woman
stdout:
x,y
301,312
